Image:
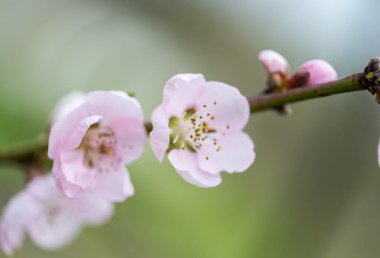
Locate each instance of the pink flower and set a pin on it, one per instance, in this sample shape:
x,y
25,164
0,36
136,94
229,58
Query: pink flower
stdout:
x,y
318,71
50,219
91,145
200,124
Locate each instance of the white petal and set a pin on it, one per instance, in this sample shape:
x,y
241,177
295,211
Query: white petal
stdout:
x,y
159,136
52,231
131,137
18,213
111,106
223,107
234,152
90,210
182,92
113,186
185,163
55,225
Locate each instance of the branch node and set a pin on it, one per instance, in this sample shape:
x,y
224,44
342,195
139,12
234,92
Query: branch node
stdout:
x,y
371,78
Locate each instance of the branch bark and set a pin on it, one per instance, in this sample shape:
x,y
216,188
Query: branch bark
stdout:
x,y
262,102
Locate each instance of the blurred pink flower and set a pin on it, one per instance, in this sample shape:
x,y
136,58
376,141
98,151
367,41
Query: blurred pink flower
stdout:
x,y
200,124
273,62
319,71
91,145
51,219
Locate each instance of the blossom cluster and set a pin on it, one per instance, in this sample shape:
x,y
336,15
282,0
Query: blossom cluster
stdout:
x,y
199,125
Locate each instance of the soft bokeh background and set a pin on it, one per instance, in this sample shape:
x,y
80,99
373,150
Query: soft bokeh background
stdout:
x,y
314,189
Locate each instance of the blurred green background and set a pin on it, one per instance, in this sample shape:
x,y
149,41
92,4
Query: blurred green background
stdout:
x,y
314,189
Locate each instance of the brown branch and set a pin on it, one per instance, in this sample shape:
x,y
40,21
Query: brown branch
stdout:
x,y
262,102
32,151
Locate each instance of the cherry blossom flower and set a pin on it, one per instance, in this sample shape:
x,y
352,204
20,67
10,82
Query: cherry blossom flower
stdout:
x,y
317,71
47,216
200,124
91,145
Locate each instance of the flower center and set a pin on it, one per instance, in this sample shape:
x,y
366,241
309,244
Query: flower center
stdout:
x,y
192,131
100,148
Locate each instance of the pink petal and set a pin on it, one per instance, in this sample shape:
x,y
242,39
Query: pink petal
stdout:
x,y
89,210
67,104
42,188
60,218
68,189
114,186
114,105
273,62
236,153
86,209
159,136
185,163
52,232
320,71
72,176
223,107
18,213
179,81
181,92
131,136
68,133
